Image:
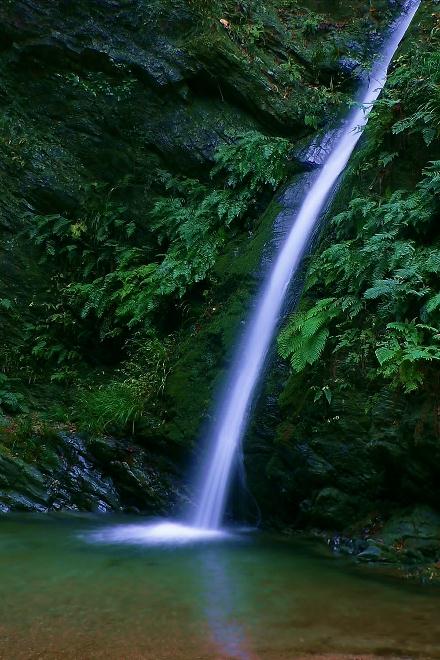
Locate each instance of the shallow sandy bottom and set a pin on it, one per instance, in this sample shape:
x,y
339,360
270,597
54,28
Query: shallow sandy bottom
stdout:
x,y
98,588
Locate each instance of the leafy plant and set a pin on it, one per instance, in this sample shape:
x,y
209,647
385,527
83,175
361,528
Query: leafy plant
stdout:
x,y
379,276
304,338
31,438
117,272
405,351
133,395
10,401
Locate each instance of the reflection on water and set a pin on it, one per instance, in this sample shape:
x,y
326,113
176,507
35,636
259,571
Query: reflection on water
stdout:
x,y
220,595
245,597
217,590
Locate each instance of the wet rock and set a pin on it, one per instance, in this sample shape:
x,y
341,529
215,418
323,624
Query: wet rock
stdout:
x,y
144,480
371,553
104,475
332,508
316,465
414,531
346,545
77,482
110,31
351,66
409,540
22,487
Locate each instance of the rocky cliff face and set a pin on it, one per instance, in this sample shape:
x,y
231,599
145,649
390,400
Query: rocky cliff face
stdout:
x,y
102,104
351,440
66,473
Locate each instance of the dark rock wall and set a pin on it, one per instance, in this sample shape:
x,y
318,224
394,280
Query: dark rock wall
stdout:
x,y
350,460
93,92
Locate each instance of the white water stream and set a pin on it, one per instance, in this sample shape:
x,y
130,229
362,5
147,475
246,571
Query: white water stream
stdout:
x,y
249,361
224,438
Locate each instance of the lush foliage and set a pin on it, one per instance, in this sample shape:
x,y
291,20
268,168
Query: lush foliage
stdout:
x,y
355,432
10,400
384,280
133,394
372,303
290,49
113,273
132,183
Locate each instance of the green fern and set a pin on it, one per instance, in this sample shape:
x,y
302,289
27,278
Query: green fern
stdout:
x,y
305,335
404,353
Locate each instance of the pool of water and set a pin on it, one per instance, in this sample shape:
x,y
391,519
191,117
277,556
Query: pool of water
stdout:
x,y
99,587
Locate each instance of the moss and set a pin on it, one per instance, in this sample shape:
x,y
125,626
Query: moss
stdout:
x,y
32,439
208,348
116,93
355,430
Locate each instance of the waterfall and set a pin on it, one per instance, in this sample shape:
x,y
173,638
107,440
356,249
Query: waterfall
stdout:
x,y
226,434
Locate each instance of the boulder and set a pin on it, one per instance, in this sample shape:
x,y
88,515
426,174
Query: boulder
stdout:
x,y
332,508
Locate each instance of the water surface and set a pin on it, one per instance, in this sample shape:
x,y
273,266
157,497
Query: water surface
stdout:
x,y
71,589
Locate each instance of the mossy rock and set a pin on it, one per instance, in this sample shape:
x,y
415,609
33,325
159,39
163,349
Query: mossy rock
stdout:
x,y
414,530
333,509
22,486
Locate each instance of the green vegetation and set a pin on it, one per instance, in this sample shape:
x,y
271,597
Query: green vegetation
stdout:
x,y
381,259
292,50
123,237
134,393
117,271
356,430
385,279
112,276
132,189
141,147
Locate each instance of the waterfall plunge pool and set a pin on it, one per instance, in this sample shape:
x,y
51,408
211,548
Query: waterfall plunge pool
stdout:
x,y
90,587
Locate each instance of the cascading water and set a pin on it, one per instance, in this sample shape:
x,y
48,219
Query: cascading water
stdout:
x,y
249,362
